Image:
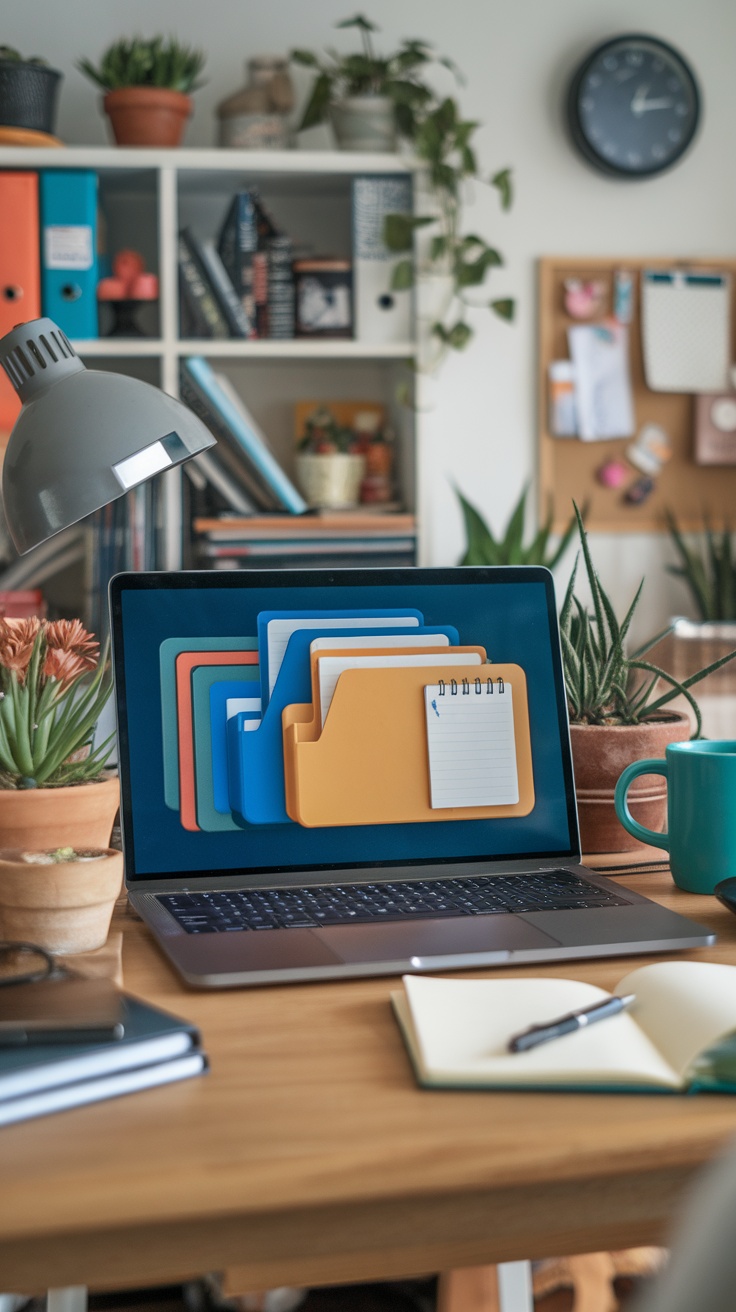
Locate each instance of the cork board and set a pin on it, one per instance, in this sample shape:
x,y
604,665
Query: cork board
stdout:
x,y
567,466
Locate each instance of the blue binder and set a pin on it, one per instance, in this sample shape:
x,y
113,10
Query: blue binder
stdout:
x,y
69,249
256,757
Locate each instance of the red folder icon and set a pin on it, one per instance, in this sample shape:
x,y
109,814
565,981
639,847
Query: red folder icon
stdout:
x,y
20,270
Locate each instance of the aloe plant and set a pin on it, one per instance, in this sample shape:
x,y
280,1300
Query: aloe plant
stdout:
x,y
606,685
483,548
53,687
708,570
147,63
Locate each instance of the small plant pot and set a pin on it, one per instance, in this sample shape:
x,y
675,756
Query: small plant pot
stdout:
x,y
364,123
63,906
331,482
147,116
78,816
28,96
600,753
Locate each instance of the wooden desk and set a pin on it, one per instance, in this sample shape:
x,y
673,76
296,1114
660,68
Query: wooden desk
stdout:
x,y
308,1155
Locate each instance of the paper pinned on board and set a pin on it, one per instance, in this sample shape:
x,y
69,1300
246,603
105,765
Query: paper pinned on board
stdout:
x,y
603,393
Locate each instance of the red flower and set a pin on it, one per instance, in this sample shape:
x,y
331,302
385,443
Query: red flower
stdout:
x,y
17,638
71,636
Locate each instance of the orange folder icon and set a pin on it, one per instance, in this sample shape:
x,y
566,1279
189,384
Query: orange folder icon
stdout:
x,y
369,764
20,270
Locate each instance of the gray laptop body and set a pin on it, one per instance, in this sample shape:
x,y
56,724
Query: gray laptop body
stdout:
x,y
338,773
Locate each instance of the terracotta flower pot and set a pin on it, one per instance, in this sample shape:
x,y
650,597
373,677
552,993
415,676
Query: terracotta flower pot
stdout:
x,y
65,906
147,116
39,818
599,755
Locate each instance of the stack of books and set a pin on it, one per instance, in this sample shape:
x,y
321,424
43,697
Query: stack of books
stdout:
x,y
242,283
241,468
323,540
156,1048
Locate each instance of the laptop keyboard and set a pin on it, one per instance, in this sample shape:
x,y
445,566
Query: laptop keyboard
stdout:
x,y
225,910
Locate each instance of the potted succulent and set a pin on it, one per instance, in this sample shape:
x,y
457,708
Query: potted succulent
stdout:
x,y
147,85
330,464
484,548
61,899
54,789
368,97
29,91
619,708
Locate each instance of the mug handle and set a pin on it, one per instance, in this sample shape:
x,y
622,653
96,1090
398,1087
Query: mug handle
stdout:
x,y
622,807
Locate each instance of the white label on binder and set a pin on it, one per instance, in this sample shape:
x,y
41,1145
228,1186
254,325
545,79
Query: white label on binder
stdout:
x,y
68,247
471,742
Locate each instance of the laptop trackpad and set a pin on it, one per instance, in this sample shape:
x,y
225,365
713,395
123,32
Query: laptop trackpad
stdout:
x,y
399,941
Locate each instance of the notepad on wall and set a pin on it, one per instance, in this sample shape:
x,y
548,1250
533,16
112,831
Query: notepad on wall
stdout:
x,y
686,330
471,743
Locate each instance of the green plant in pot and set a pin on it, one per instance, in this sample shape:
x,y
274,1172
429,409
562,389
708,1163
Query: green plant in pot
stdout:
x,y
620,709
54,788
370,98
148,86
329,464
29,92
483,547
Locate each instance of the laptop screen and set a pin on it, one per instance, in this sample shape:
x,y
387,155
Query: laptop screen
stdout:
x,y
272,721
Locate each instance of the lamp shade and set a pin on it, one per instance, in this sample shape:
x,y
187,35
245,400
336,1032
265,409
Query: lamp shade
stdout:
x,y
83,437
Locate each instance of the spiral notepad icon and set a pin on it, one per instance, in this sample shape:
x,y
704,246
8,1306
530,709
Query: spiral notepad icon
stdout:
x,y
471,743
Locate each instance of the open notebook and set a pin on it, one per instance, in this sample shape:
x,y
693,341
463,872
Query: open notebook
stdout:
x,y
679,1036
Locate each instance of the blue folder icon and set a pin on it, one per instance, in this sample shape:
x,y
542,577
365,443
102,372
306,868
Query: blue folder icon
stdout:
x,y
413,618
256,757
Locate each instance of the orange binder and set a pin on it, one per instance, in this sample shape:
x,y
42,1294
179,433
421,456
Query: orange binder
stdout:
x,y
20,270
370,762
185,663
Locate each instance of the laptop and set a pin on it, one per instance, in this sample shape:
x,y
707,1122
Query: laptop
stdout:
x,y
335,773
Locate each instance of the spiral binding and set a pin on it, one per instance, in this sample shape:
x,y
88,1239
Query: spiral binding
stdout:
x,y
465,683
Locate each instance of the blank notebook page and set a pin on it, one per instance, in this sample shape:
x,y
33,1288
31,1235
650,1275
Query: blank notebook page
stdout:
x,y
472,748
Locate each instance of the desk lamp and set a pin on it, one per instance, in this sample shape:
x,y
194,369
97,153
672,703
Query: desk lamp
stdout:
x,y
83,437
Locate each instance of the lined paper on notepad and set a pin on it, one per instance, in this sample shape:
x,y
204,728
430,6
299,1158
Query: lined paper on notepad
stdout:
x,y
471,743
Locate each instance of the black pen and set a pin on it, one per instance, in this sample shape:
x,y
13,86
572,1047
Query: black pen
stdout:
x,y
574,1020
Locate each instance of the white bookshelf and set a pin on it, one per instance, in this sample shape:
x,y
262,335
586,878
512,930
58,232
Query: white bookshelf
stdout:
x,y
149,194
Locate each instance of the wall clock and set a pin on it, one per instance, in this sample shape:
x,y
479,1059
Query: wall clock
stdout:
x,y
633,106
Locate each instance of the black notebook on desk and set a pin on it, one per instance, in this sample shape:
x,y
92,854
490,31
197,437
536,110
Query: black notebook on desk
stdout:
x,y
157,1048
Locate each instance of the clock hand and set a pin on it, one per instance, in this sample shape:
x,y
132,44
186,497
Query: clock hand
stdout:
x,y
640,104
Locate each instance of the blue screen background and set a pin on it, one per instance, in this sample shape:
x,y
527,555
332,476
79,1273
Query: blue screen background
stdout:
x,y
509,619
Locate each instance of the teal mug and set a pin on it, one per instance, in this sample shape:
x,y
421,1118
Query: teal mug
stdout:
x,y
701,811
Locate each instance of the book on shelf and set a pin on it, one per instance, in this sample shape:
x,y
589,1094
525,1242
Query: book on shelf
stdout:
x,y
361,520
235,424
156,1048
218,477
203,313
226,458
679,1036
217,276
241,246
280,274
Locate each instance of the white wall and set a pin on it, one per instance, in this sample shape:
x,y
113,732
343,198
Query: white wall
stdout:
x,y
517,58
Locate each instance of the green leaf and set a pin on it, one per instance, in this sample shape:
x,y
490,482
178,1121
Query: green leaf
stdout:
x,y
505,309
304,57
399,229
402,277
359,21
319,101
502,182
459,335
